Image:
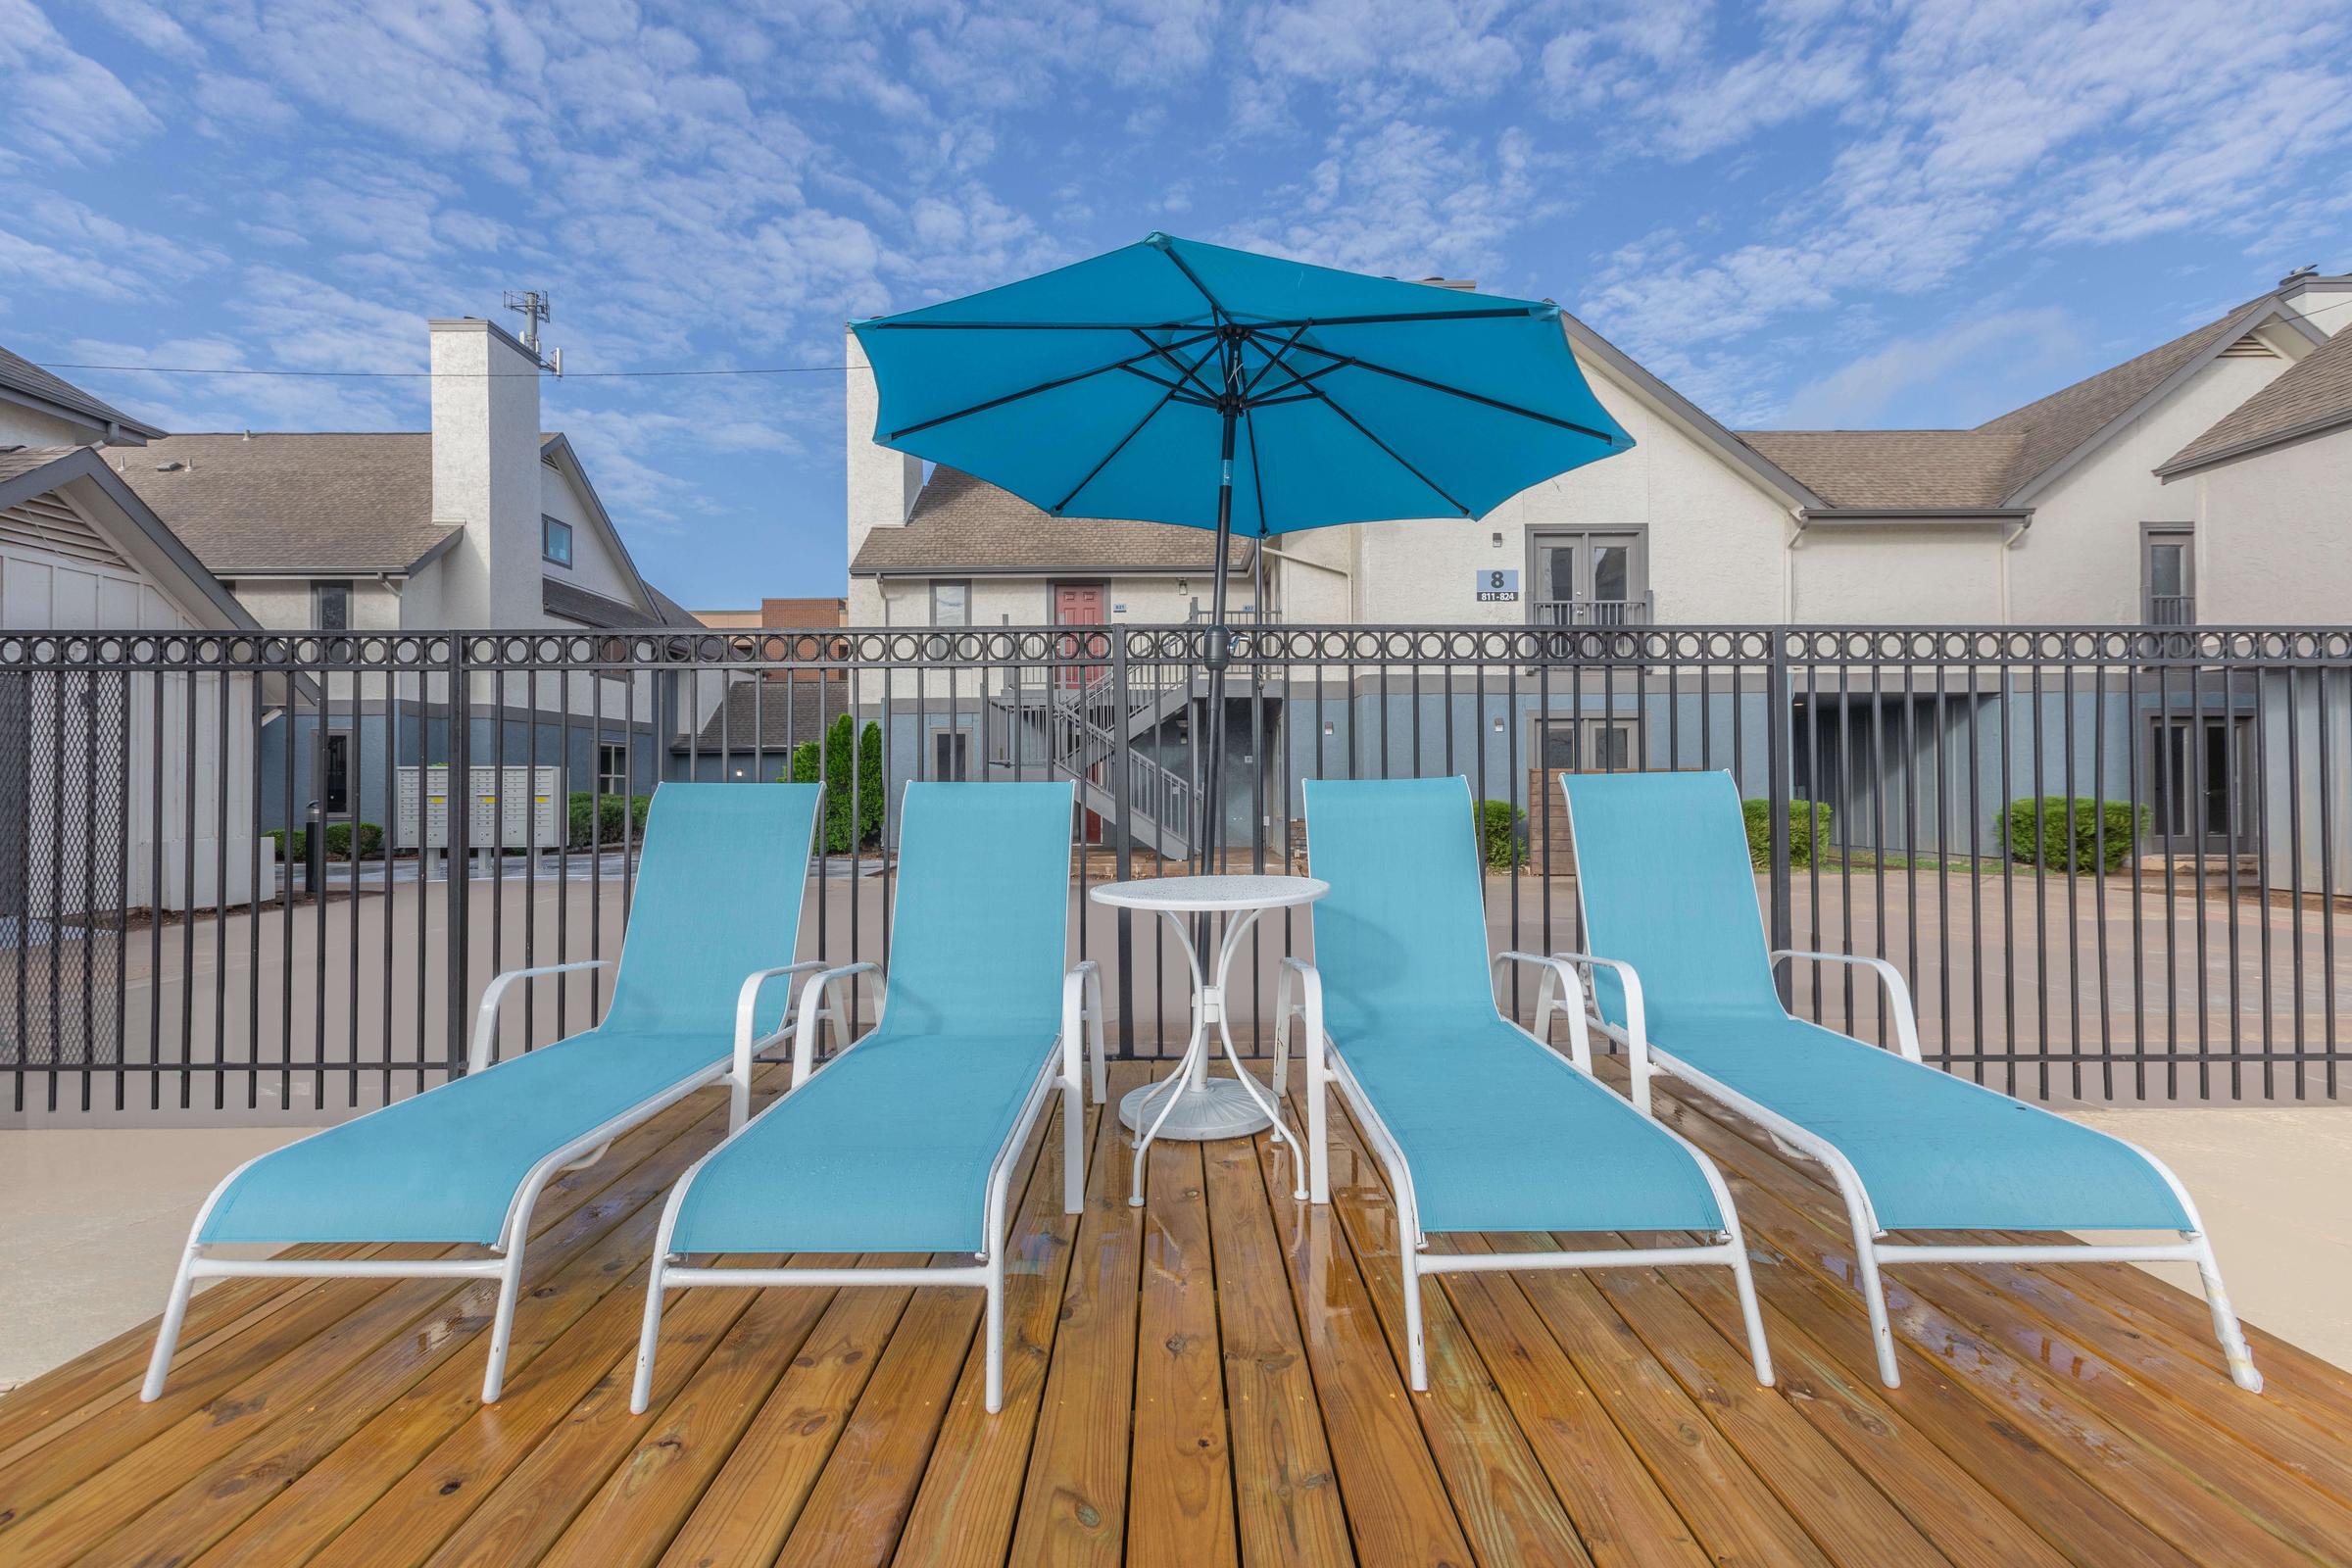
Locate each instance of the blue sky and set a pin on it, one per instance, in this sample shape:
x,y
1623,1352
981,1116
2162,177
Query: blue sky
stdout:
x,y
1801,213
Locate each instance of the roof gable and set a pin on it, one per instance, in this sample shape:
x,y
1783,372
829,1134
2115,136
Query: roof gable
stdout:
x,y
964,525
2311,396
82,473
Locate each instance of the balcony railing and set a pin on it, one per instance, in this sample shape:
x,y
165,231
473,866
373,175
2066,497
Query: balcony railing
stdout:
x,y
1641,612
2171,610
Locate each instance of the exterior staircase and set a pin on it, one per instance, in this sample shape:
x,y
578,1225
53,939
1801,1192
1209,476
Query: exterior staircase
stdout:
x,y
1084,728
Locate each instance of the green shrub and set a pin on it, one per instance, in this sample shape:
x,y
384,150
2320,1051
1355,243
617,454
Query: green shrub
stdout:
x,y
338,841
607,813
2063,833
1808,824
858,788
1499,834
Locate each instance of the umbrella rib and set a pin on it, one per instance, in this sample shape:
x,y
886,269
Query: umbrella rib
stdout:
x,y
1149,414
1401,316
1273,357
1395,456
1191,373
1030,392
1193,278
888,326
1351,361
1257,483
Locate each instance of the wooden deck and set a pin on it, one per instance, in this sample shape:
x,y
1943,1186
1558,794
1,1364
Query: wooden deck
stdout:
x,y
1212,1380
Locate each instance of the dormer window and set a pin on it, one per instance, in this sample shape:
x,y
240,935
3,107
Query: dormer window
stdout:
x,y
554,541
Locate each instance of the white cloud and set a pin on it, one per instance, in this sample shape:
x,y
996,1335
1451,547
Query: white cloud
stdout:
x,y
61,105
2010,349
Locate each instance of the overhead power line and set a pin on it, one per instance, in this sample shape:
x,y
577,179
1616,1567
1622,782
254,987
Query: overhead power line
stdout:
x,y
427,376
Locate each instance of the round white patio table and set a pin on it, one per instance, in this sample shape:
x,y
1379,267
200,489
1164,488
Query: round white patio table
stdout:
x,y
1189,1104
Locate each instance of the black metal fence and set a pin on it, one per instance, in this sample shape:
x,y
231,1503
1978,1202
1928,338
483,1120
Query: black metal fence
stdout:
x,y
273,874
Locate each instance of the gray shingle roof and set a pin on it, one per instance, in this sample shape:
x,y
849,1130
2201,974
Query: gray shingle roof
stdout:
x,y
15,460
593,610
961,524
1899,469
1990,466
21,374
2313,394
326,502
770,715
2055,426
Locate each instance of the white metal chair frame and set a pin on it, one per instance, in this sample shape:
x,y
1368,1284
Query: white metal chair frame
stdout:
x,y
1299,992
1872,1250
505,1260
1081,1009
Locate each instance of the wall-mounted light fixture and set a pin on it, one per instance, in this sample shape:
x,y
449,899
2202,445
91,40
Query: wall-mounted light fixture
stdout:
x,y
1328,728
1498,541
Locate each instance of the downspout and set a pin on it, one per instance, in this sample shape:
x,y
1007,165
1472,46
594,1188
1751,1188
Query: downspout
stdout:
x,y
2007,545
1340,572
1788,568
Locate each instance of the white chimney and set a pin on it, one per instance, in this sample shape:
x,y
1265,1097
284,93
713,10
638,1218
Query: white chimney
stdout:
x,y
882,483
486,473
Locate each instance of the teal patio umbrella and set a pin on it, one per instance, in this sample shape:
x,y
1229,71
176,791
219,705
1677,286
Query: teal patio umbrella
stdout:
x,y
1172,381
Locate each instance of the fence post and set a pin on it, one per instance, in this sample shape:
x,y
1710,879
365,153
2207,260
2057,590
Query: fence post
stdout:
x,y
1779,739
457,859
1122,787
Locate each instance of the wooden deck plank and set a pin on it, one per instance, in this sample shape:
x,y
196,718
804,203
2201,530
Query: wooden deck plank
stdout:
x,y
1844,1509
1180,1499
1501,1496
863,1499
140,1451
1074,1497
1784,1210
1214,1379
1285,1495
423,1382
964,1513
751,1504
1967,1521
1398,1505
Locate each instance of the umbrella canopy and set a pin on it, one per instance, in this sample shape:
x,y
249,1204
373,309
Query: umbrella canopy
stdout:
x,y
1172,381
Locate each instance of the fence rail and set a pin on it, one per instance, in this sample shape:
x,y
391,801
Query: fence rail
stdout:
x,y
270,874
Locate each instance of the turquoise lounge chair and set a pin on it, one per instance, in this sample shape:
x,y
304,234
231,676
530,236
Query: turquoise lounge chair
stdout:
x,y
1480,1125
1663,870
904,1142
718,900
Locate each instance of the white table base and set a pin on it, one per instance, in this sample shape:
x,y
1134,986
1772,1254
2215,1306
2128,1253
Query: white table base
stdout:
x,y
1221,1107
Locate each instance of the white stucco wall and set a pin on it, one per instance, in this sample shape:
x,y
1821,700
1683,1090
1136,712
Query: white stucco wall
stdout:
x,y
2080,564
1904,573
2274,537
594,565
486,473
882,484
1715,539
21,427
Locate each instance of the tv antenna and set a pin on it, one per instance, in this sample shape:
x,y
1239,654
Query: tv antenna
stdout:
x,y
535,306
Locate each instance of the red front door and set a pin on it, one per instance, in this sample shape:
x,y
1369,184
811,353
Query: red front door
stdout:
x,y
1080,604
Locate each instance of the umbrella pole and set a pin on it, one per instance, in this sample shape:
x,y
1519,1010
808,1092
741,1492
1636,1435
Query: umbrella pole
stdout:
x,y
1217,650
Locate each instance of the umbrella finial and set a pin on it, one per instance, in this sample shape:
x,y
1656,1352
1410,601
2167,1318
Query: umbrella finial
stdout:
x,y
1159,241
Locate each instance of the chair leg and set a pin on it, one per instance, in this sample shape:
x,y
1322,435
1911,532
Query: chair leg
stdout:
x,y
1416,1357
1744,1280
502,1322
994,1328
1874,1297
2225,1326
649,1337
1318,1136
167,1335
1073,1147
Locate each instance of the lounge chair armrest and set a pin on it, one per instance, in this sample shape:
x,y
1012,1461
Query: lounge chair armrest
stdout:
x,y
1637,1018
1081,1011
748,1045
1898,995
814,1005
485,1018
1559,980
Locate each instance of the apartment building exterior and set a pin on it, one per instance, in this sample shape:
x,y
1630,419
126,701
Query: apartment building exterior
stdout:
x,y
2196,483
